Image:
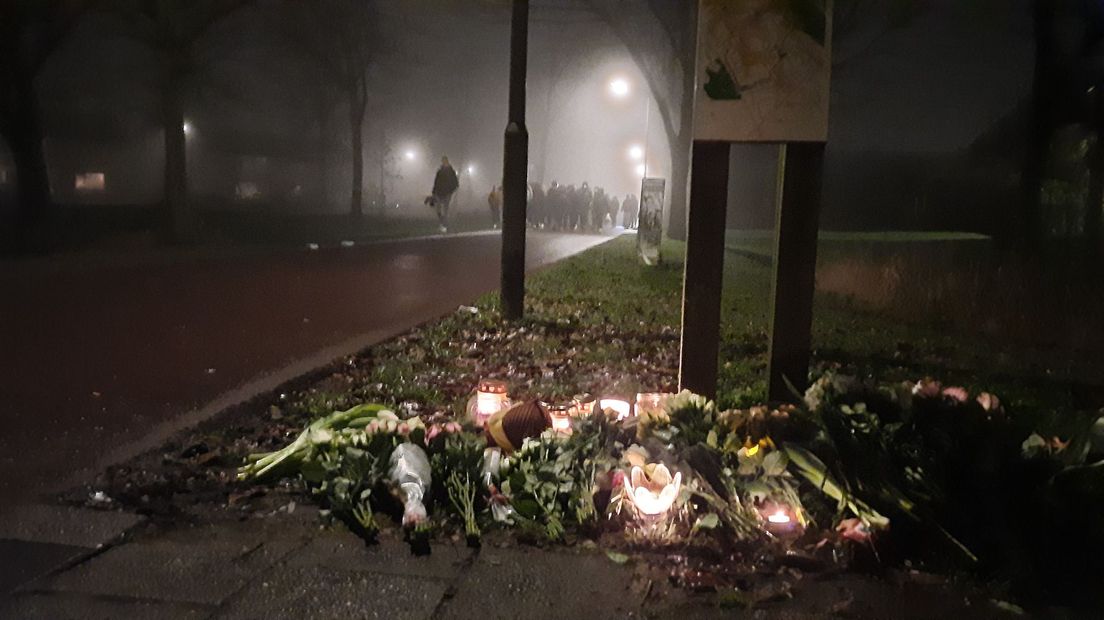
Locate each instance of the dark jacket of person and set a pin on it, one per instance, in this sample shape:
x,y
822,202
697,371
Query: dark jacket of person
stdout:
x,y
446,182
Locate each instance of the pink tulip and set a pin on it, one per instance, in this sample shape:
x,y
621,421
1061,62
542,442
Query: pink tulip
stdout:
x,y
854,530
957,394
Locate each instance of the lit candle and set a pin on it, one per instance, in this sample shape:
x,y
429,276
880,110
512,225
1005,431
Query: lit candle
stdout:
x,y
652,489
561,417
779,519
584,405
622,407
489,399
648,402
779,516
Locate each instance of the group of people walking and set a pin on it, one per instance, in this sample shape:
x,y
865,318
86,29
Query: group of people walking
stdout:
x,y
565,208
571,209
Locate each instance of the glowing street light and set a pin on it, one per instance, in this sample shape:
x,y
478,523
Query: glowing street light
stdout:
x,y
636,152
410,155
187,128
471,169
619,87
641,170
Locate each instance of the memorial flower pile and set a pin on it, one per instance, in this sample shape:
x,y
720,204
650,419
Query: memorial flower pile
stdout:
x,y
851,465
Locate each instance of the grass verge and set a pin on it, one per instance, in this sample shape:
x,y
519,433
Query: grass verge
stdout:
x,y
598,322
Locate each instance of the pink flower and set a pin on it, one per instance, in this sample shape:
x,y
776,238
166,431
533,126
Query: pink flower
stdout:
x,y
1057,445
373,427
957,394
988,401
854,530
432,432
403,429
618,479
927,388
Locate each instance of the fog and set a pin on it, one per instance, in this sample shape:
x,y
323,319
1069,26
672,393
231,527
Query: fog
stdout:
x,y
268,126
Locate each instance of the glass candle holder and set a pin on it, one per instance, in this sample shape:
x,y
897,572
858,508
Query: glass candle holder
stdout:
x,y
561,417
780,519
651,402
583,405
489,398
621,406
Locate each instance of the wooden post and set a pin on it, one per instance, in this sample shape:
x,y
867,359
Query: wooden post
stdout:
x,y
515,170
800,167
702,278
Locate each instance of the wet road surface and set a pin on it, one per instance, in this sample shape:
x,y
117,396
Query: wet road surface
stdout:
x,y
95,357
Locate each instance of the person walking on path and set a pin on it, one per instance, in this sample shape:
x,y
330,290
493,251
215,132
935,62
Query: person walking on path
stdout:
x,y
445,185
629,210
494,201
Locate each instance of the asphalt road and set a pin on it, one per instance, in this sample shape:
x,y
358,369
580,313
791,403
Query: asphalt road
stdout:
x,y
96,357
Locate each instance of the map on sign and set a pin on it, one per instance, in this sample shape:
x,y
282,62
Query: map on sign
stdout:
x,y
763,70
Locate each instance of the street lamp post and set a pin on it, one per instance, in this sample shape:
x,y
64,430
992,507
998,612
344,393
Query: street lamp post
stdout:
x,y
515,170
620,88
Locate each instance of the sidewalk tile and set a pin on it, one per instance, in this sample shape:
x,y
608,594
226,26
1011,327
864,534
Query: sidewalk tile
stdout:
x,y
80,607
341,549
65,525
321,592
531,583
22,561
201,570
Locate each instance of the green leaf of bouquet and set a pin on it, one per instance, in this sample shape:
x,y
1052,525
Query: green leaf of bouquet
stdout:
x,y
618,558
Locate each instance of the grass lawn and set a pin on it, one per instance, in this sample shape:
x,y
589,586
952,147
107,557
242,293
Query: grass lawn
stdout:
x,y
600,322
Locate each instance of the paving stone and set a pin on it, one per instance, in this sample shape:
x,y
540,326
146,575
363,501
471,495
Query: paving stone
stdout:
x,y
338,548
304,592
79,607
64,525
22,561
530,583
206,568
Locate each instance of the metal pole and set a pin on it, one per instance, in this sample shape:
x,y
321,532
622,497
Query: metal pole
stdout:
x,y
647,129
515,170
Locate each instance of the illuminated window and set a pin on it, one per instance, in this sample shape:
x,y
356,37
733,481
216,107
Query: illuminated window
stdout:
x,y
90,182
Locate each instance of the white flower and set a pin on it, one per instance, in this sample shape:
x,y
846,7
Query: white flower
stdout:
x,y
654,493
688,400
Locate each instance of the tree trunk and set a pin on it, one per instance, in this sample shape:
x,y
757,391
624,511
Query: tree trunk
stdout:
x,y
179,220
356,125
1026,233
1095,201
25,138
